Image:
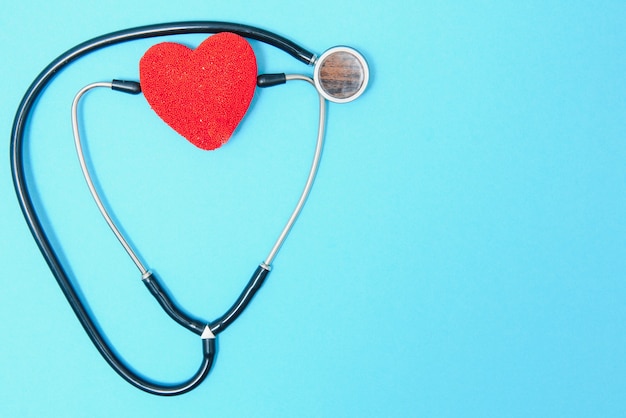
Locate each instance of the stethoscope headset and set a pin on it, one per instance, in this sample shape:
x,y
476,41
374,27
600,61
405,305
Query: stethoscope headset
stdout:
x,y
340,75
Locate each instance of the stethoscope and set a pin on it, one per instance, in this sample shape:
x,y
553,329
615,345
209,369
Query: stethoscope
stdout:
x,y
339,75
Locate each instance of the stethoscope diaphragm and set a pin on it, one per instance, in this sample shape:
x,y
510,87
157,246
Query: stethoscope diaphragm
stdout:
x,y
341,74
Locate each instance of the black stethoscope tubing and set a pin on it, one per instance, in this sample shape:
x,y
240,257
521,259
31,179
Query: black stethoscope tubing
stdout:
x,y
40,236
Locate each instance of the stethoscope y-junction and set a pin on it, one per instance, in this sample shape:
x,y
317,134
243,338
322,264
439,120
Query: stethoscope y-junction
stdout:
x,y
339,75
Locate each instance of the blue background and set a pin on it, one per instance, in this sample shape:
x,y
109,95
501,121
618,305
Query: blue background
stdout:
x,y
462,252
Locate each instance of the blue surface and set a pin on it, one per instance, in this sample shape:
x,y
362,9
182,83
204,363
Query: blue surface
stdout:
x,y
462,252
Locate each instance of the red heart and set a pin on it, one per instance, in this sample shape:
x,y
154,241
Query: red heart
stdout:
x,y
202,94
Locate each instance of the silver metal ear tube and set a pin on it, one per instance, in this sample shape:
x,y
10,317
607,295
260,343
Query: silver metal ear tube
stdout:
x,y
116,231
90,184
312,172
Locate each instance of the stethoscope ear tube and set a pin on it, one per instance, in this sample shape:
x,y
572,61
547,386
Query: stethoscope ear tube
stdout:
x,y
220,324
253,286
170,307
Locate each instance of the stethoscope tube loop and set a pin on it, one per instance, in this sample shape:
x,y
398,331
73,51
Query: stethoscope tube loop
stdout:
x,y
208,356
32,219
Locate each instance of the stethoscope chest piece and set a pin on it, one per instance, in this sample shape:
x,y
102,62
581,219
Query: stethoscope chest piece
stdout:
x,y
341,74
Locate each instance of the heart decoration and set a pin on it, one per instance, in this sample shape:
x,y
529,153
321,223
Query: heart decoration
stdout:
x,y
204,93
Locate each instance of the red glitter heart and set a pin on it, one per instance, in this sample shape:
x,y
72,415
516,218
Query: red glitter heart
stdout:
x,y
204,93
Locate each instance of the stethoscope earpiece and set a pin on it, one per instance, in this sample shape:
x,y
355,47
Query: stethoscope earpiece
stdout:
x,y
341,74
